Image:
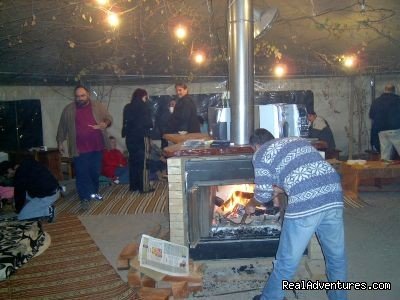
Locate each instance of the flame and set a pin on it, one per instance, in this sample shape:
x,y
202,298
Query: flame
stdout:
x,y
234,196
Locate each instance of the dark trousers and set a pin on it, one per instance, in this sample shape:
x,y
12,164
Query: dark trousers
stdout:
x,y
138,172
87,172
164,143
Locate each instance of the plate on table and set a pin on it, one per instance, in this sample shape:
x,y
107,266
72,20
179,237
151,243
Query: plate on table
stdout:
x,y
182,132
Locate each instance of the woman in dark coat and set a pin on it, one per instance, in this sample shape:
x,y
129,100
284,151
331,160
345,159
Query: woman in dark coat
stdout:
x,y
135,127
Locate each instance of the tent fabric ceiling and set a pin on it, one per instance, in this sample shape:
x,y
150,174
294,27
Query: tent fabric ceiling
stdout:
x,y
55,40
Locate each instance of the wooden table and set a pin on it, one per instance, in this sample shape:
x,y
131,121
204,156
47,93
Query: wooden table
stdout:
x,y
180,150
180,138
353,175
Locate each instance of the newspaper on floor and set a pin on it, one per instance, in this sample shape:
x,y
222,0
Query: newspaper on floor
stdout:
x,y
163,256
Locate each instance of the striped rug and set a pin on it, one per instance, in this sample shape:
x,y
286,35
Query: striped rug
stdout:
x,y
350,202
118,200
71,268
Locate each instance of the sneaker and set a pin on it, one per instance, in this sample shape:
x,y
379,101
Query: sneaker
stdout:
x,y
96,197
84,204
50,219
116,181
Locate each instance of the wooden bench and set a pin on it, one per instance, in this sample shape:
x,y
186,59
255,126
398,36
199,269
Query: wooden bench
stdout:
x,y
354,175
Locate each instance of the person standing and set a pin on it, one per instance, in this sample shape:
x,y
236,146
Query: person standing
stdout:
x,y
385,115
184,116
315,205
83,125
136,127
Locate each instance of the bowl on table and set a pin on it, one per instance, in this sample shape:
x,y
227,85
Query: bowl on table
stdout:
x,y
182,132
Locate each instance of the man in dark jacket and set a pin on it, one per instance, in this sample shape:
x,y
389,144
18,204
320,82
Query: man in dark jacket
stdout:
x,y
35,191
184,117
384,113
320,129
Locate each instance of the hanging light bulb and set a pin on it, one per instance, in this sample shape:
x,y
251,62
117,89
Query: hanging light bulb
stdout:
x,y
199,57
180,31
349,61
102,2
280,70
112,19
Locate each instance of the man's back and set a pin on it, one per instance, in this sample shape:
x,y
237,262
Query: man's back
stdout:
x,y
385,112
293,164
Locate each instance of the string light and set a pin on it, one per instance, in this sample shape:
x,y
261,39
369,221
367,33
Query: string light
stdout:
x,y
199,57
280,70
180,31
113,19
102,2
349,61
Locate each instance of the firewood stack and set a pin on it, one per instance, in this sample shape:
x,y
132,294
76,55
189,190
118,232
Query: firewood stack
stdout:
x,y
155,285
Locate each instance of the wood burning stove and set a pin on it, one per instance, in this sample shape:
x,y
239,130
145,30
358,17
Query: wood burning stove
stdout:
x,y
217,190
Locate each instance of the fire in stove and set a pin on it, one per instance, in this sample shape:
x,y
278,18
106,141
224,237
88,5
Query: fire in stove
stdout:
x,y
237,215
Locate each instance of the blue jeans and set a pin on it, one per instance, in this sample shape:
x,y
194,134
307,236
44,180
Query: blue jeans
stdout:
x,y
295,236
87,172
37,207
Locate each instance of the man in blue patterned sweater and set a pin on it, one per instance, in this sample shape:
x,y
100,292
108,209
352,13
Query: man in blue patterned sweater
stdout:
x,y
315,205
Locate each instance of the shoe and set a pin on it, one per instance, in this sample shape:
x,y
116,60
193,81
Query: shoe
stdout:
x,y
116,181
50,219
96,197
84,204
148,191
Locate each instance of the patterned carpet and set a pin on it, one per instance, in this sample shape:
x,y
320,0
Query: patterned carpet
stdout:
x,y
349,202
118,200
71,268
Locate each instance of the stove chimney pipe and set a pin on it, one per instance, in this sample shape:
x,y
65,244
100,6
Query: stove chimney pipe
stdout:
x,y
241,70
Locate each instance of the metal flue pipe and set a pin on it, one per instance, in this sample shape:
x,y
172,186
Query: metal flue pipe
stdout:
x,y
241,70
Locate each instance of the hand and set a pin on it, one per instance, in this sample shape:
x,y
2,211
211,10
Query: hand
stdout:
x,y
277,190
61,149
101,126
249,209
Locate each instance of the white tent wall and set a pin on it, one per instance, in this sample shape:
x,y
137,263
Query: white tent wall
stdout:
x,y
332,97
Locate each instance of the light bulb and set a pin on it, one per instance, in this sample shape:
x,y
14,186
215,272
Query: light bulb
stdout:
x,y
113,19
348,61
180,31
102,2
199,58
279,70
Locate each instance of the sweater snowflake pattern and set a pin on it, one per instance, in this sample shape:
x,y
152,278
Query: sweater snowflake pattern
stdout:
x,y
293,164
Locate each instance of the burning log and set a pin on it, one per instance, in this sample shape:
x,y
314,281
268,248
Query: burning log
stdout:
x,y
242,221
218,201
236,201
238,197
